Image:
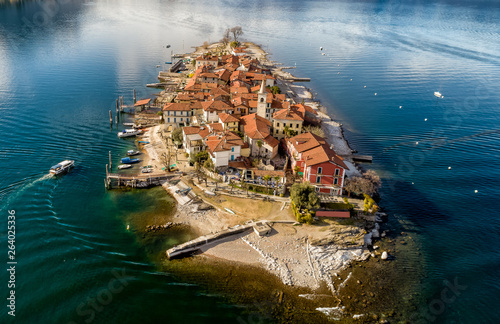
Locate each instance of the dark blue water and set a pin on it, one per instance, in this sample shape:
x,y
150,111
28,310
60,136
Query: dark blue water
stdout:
x,y
62,67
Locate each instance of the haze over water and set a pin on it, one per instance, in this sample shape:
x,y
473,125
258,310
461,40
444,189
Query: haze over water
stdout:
x,y
62,68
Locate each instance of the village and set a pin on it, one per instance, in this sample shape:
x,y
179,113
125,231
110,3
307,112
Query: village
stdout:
x,y
262,177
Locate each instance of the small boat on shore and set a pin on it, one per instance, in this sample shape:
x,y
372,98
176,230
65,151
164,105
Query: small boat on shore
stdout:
x,y
124,166
129,132
147,170
62,166
128,160
438,94
129,124
132,152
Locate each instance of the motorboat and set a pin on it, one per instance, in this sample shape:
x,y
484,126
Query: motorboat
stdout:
x,y
128,124
128,160
438,94
132,152
62,166
147,170
124,166
129,132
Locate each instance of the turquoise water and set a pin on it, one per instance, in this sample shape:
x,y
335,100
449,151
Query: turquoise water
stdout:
x,y
63,66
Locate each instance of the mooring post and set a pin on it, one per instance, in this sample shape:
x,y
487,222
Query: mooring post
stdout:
x,y
134,95
117,107
105,184
110,165
110,117
116,119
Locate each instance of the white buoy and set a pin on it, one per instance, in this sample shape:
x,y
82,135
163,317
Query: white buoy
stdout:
x,y
400,107
351,79
416,143
412,183
375,93
425,119
449,168
365,86
475,191
338,72
321,48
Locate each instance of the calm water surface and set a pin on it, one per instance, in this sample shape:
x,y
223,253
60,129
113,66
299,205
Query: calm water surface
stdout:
x,y
62,67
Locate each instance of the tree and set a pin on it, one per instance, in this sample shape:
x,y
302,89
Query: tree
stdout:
x,y
275,89
209,165
177,135
255,163
368,184
304,196
259,145
237,31
266,178
198,157
316,130
234,44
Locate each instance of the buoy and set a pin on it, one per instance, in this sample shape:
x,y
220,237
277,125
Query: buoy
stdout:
x,y
412,183
425,119
351,79
400,107
365,86
338,72
449,168
475,191
375,93
417,143
321,48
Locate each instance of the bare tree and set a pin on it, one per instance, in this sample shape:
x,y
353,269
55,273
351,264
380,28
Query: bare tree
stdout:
x,y
237,31
368,183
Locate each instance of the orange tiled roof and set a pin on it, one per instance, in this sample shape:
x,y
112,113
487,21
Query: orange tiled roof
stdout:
x,y
142,102
227,118
285,114
177,106
306,141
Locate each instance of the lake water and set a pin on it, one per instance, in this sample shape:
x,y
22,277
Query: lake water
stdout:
x,y
62,67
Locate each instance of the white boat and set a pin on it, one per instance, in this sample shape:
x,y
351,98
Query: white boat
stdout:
x,y
62,166
124,166
128,124
438,94
129,132
147,170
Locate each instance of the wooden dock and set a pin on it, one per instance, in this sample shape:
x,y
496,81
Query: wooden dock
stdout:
x,y
362,158
141,180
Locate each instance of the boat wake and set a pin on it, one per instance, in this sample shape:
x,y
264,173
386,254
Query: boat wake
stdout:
x,y
15,190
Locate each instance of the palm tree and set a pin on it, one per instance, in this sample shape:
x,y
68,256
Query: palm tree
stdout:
x,y
259,145
266,178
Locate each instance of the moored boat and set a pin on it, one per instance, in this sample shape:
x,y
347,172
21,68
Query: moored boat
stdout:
x,y
147,170
132,152
62,166
129,132
438,94
128,160
124,166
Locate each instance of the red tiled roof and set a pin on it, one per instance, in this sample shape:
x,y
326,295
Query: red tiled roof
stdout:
x,y
322,154
227,118
306,141
216,105
142,102
177,106
285,114
190,130
215,127
333,213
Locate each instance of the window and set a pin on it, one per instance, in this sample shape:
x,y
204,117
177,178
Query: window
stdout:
x,y
181,119
261,99
297,125
318,179
337,172
284,124
336,181
232,157
283,131
175,121
168,120
232,149
277,124
319,170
